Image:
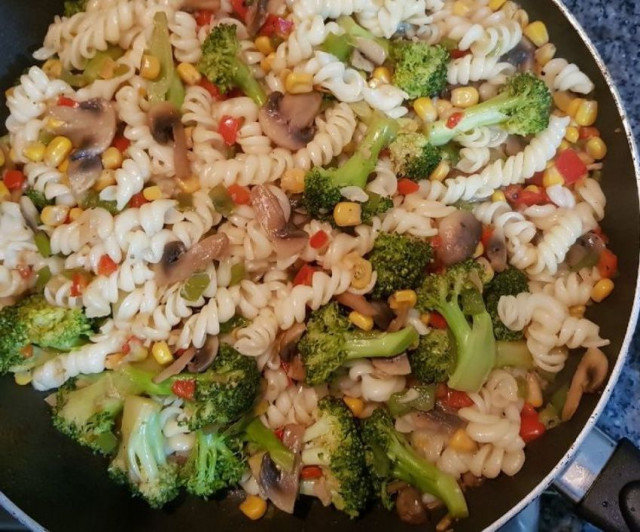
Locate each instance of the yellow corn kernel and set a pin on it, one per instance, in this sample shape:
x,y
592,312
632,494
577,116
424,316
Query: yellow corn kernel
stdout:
x,y
22,378
106,179
586,113
572,134
425,318
3,159
552,177
361,321
34,151
293,180
112,158
355,404
425,109
573,107
461,8
188,74
563,100
347,214
464,97
161,353
298,83
479,251
443,107
596,148
54,215
63,167
108,69
261,408
537,33
189,185
52,68
534,392
532,188
577,311
253,507
601,290
4,191
441,171
75,213
460,441
403,299
544,54
152,193
14,156
52,124
267,62
114,360
362,270
497,196
494,5
382,74
264,45
150,67
57,151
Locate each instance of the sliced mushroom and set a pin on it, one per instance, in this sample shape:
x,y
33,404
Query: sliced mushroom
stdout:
x,y
522,56
460,233
90,126
166,127
588,378
360,62
289,120
358,303
393,366
176,366
497,251
177,265
409,506
287,239
29,213
194,5
383,316
586,251
371,50
287,340
84,170
204,356
256,15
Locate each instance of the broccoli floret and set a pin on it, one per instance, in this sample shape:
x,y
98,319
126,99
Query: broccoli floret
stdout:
x,y
399,261
374,206
420,69
343,45
334,444
434,359
522,107
322,186
72,7
87,413
330,341
255,432
33,321
215,463
510,282
38,198
223,393
141,462
413,156
390,456
222,65
455,295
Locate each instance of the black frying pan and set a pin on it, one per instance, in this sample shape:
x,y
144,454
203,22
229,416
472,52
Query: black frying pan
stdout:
x,y
63,487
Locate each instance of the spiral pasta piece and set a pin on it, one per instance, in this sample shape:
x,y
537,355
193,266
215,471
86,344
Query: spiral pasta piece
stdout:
x,y
561,75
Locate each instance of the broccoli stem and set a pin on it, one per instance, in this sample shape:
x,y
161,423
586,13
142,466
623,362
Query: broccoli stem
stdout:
x,y
427,478
342,45
143,380
244,79
513,354
379,344
257,433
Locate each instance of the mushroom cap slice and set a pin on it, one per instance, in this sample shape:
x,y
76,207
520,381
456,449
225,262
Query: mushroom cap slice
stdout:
x,y
84,170
460,232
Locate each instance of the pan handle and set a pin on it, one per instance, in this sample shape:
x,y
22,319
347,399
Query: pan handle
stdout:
x,y
603,480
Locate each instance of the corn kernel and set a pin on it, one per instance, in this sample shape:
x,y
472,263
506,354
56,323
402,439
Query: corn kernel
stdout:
x,y
601,290
293,180
572,134
355,404
552,177
253,507
52,68
577,311
150,67
75,213
403,299
23,378
188,74
152,193
564,145
4,191
267,62
563,100
261,408
361,321
3,158
544,54
361,270
347,214
63,167
425,318
441,171
497,196
460,441
489,272
54,215
425,109
494,5
596,148
57,151
573,107
112,158
298,83
464,97
189,185
479,251
586,113
106,179
443,107
537,33
461,8
382,74
52,124
34,151
161,353
108,69
114,360
533,188
264,45
534,392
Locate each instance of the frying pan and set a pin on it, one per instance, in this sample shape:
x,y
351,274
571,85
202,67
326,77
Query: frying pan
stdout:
x,y
49,480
